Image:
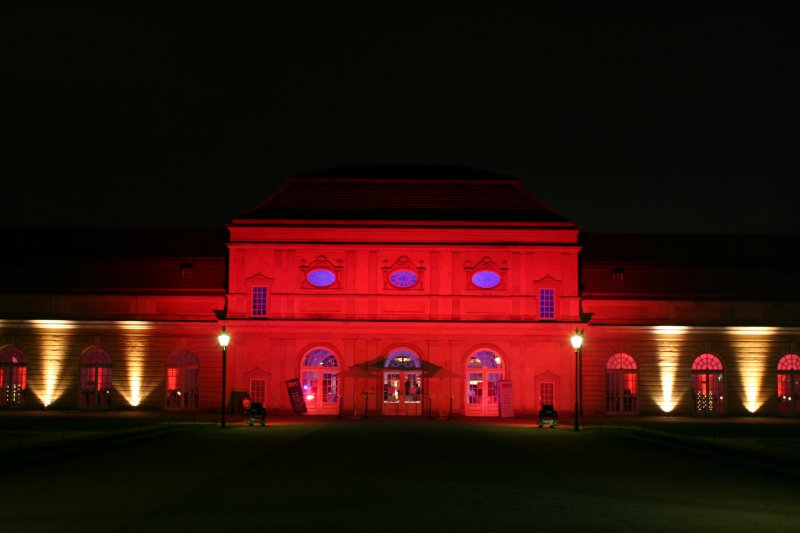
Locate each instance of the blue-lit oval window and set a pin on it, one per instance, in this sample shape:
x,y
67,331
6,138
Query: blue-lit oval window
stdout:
x,y
486,279
403,278
321,277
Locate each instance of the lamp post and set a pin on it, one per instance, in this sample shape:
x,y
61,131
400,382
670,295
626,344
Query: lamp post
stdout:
x,y
224,339
577,342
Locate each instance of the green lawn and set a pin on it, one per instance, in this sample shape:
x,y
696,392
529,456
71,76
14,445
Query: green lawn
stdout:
x,y
396,475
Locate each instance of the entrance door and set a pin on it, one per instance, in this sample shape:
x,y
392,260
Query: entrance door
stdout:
x,y
183,380
482,397
402,393
708,385
484,371
788,389
320,391
319,378
402,383
789,384
622,383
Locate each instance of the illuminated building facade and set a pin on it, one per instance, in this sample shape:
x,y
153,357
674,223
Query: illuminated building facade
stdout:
x,y
401,291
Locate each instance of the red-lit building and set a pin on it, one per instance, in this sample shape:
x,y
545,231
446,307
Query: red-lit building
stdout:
x,y
404,291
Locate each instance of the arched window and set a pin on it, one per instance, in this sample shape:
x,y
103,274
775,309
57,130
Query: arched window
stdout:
x,y
789,384
622,384
319,374
402,359
95,379
484,371
13,377
402,383
182,380
708,385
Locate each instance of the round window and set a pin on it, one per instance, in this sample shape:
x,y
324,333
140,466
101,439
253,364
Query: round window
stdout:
x,y
321,277
486,279
403,278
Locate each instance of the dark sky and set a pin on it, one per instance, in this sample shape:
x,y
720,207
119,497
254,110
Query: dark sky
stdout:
x,y
634,121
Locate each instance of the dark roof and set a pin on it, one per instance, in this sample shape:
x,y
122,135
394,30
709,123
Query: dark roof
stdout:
x,y
691,267
707,249
114,242
403,192
403,172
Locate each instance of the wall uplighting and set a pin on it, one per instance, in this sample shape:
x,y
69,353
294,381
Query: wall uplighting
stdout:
x,y
670,330
52,385
667,369
752,370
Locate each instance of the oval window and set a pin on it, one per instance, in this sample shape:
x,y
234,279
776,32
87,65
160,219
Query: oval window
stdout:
x,y
321,277
403,278
486,279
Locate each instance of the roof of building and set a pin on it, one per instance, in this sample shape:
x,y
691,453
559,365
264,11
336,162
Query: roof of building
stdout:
x,y
682,248
44,242
105,260
686,266
403,192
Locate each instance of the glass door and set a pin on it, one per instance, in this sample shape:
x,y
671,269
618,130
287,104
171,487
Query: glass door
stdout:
x,y
319,379
95,387
708,393
182,388
788,387
402,393
484,372
321,391
482,393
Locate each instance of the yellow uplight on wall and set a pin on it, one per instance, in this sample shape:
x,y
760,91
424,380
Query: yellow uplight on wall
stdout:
x,y
53,362
752,375
752,331
53,324
133,392
667,368
670,330
751,391
752,361
133,387
668,364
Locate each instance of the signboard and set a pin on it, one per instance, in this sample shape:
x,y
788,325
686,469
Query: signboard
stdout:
x,y
506,400
296,396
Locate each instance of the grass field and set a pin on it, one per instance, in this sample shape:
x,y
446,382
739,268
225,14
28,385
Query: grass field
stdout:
x,y
396,475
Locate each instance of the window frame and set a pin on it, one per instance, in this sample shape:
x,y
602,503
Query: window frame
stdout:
x,y
543,304
258,394
97,365
623,370
13,377
708,372
255,302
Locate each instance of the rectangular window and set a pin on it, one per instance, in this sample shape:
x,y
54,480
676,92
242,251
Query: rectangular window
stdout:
x,y
259,301
547,304
257,388
547,394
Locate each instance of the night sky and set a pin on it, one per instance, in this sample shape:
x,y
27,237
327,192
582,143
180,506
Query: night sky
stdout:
x,y
625,121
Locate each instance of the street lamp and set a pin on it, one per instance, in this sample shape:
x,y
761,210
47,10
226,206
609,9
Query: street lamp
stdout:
x,y
577,342
224,339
